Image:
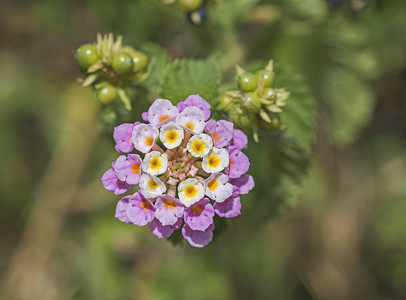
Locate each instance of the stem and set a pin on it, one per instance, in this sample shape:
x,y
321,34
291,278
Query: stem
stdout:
x,y
22,279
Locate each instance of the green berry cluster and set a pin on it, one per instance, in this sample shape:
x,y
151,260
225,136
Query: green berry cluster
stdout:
x,y
257,103
109,67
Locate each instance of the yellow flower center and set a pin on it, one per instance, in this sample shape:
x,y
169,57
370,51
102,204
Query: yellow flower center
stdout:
x,y
190,191
163,118
230,165
198,146
169,203
171,136
213,184
213,161
135,168
145,205
190,126
152,185
148,141
196,209
155,163
215,136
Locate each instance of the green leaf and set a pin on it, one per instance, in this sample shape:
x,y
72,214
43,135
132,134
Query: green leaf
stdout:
x,y
161,57
298,116
278,174
350,104
186,77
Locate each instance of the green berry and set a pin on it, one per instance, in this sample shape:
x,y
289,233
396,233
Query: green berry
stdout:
x,y
190,5
87,55
247,82
226,103
251,101
140,61
240,118
269,94
122,63
267,77
107,94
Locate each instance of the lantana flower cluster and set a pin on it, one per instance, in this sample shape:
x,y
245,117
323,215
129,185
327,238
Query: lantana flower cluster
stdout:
x,y
188,169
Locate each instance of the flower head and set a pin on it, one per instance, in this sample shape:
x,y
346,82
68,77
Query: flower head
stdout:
x,y
185,177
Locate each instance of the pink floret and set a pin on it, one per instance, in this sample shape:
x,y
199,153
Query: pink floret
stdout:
x,y
111,183
230,208
162,231
122,136
245,183
126,168
121,209
200,215
197,238
140,211
239,140
196,100
239,163
221,132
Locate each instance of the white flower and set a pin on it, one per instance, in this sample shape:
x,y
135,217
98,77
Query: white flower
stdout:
x,y
216,160
190,191
151,186
199,145
171,135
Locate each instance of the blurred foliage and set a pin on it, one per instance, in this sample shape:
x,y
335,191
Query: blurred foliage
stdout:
x,y
332,227
187,77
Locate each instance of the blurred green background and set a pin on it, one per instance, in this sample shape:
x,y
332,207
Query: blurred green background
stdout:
x,y
339,234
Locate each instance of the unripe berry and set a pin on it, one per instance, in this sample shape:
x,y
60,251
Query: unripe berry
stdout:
x,y
140,61
269,94
247,82
190,5
226,103
107,94
266,76
122,63
239,117
87,55
251,101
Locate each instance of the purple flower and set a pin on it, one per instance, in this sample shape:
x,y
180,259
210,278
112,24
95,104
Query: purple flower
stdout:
x,y
144,137
221,132
168,210
245,183
121,209
239,140
197,238
122,136
162,231
239,163
128,168
111,182
144,116
192,119
140,211
200,215
195,100
229,208
161,112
